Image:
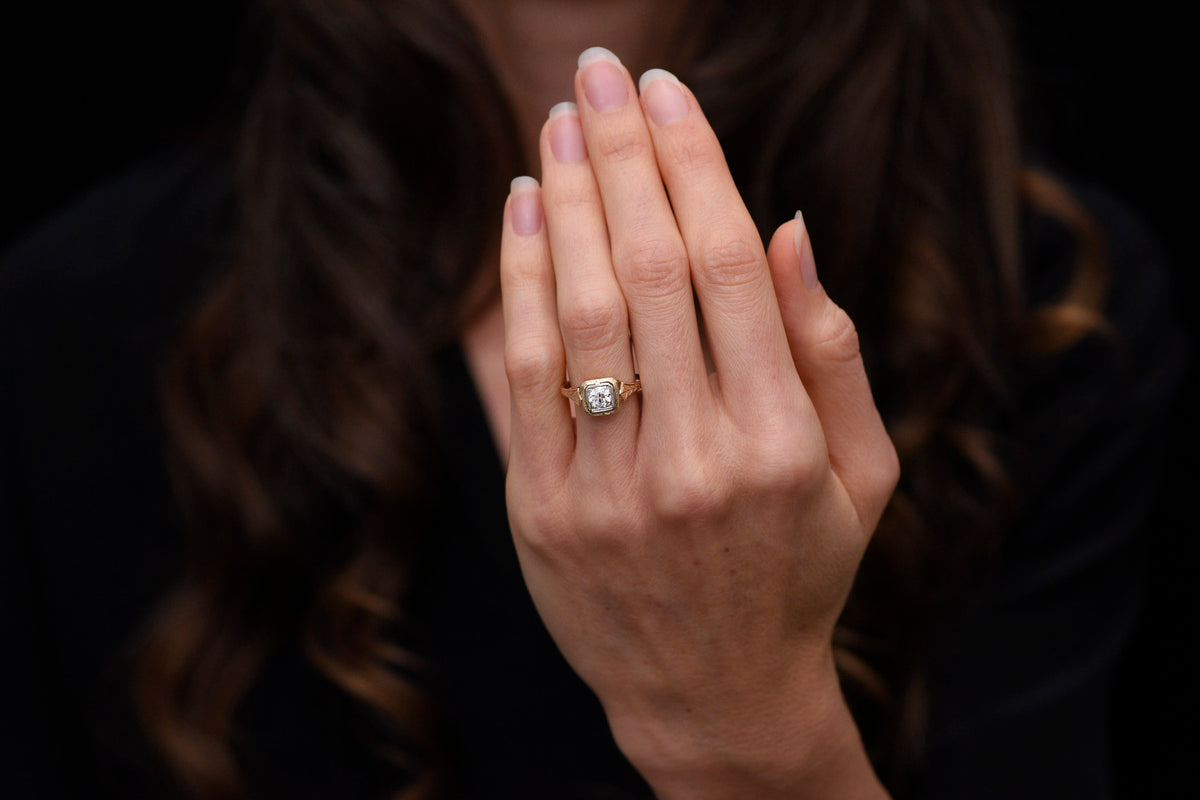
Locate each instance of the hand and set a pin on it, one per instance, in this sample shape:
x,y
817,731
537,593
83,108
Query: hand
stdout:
x,y
691,553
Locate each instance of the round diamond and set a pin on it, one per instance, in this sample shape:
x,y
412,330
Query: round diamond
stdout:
x,y
600,396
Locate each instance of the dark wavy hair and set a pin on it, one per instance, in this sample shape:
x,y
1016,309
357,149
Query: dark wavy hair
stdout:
x,y
295,449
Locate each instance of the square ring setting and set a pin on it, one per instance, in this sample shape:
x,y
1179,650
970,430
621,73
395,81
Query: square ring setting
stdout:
x,y
600,397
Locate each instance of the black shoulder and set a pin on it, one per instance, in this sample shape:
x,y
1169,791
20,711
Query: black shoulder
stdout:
x,y
1124,376
1024,661
1141,305
88,531
1137,267
139,244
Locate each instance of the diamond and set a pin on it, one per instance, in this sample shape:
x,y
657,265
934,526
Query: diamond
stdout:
x,y
600,396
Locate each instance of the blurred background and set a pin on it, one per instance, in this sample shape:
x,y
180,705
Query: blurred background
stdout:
x,y
91,88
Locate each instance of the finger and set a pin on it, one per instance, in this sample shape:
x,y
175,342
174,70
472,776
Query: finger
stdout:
x,y
728,264
542,437
591,309
649,257
824,346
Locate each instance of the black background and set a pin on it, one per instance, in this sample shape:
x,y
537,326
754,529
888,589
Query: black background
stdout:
x,y
91,88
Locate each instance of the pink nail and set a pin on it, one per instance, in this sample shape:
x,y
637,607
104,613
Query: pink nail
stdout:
x,y
566,136
526,209
603,79
808,264
664,99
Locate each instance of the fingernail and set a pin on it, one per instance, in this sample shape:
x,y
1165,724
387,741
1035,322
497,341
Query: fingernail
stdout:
x,y
526,210
808,264
603,80
566,136
664,99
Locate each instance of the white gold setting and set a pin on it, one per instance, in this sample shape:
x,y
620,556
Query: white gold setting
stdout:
x,y
601,397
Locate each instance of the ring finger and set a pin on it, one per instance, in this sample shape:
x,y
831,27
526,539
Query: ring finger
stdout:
x,y
591,308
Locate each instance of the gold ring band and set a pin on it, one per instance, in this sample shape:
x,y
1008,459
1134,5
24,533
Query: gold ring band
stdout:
x,y
600,397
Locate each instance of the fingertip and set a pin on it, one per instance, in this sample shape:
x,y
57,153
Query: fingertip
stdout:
x,y
593,54
563,135
662,96
525,206
804,252
790,255
523,183
783,253
651,75
800,303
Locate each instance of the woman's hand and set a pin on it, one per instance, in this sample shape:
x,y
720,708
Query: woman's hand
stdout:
x,y
691,553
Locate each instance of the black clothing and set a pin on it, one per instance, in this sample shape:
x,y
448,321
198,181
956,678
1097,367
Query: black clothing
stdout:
x,y
89,538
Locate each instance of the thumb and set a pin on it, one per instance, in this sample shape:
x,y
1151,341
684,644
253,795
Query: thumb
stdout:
x,y
825,350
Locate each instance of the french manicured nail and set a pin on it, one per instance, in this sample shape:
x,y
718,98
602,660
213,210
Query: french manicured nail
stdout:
x,y
603,79
526,210
664,99
808,264
566,136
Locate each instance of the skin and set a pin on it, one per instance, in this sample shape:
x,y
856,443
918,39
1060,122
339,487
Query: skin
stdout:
x,y
690,554
535,79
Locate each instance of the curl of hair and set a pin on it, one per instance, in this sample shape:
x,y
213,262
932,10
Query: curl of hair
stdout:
x,y
296,449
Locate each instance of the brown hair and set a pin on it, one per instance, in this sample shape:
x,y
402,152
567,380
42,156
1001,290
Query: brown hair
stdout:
x,y
295,449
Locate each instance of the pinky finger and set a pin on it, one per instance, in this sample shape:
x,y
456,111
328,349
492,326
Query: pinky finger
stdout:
x,y
543,436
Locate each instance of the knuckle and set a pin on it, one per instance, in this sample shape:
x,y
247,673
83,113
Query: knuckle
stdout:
x,y
888,466
538,513
623,144
731,260
688,489
607,527
694,154
655,266
547,540
594,318
523,274
570,196
779,453
567,533
838,341
879,481
547,534
529,272
795,469
532,364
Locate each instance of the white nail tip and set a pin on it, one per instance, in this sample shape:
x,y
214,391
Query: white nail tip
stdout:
x,y
565,107
597,54
797,234
522,182
652,75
